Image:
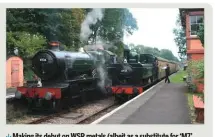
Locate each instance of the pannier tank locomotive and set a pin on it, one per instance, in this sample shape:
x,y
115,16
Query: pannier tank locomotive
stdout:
x,y
138,71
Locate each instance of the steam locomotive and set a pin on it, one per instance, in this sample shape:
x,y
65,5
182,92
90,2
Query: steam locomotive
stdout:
x,y
65,76
137,72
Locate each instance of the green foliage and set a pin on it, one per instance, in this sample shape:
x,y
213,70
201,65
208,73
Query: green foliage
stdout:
x,y
111,28
70,32
163,53
28,74
180,38
196,69
54,24
200,34
27,44
167,54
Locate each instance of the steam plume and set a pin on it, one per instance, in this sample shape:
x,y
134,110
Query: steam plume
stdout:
x,y
91,19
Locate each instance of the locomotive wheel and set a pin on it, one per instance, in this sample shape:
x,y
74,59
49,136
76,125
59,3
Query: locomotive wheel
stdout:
x,y
135,92
57,105
30,106
108,85
118,99
83,97
109,90
151,79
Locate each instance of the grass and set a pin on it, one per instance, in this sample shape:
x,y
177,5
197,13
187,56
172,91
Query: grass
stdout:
x,y
178,77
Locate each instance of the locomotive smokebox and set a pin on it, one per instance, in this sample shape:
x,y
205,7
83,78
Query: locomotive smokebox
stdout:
x,y
54,45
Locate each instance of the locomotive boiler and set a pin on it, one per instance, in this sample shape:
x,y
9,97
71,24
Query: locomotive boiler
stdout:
x,y
63,76
52,65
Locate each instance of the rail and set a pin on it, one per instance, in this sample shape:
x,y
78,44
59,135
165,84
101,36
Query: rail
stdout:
x,y
79,120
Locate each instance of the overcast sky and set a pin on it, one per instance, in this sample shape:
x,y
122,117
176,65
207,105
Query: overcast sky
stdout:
x,y
155,28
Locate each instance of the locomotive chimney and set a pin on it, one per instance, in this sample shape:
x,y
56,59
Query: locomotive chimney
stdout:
x,y
126,52
54,45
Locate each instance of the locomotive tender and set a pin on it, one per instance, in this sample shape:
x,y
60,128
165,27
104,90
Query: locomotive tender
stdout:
x,y
138,71
64,76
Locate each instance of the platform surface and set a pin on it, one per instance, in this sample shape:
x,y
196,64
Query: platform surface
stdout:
x,y
163,104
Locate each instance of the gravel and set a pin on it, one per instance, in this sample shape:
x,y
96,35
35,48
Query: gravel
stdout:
x,y
79,114
17,113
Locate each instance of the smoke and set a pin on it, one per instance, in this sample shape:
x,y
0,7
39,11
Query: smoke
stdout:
x,y
127,68
91,19
103,78
102,75
81,49
99,44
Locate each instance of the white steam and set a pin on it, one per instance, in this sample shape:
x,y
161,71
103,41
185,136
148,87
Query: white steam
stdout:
x,y
127,68
91,19
81,49
100,44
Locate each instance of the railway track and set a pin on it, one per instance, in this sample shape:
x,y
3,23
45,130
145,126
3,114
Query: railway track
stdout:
x,y
79,114
84,114
95,116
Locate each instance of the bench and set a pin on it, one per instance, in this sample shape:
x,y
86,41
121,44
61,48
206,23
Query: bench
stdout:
x,y
199,108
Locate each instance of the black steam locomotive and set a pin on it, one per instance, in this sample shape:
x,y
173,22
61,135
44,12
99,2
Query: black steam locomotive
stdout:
x,y
65,76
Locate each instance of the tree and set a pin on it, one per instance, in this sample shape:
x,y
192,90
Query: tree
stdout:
x,y
54,24
139,49
26,43
163,53
180,38
167,54
200,34
112,26
70,32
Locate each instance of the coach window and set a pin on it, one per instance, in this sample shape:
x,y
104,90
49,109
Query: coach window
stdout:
x,y
195,22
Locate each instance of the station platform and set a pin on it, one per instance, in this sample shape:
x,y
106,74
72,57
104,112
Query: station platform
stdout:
x,y
161,104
